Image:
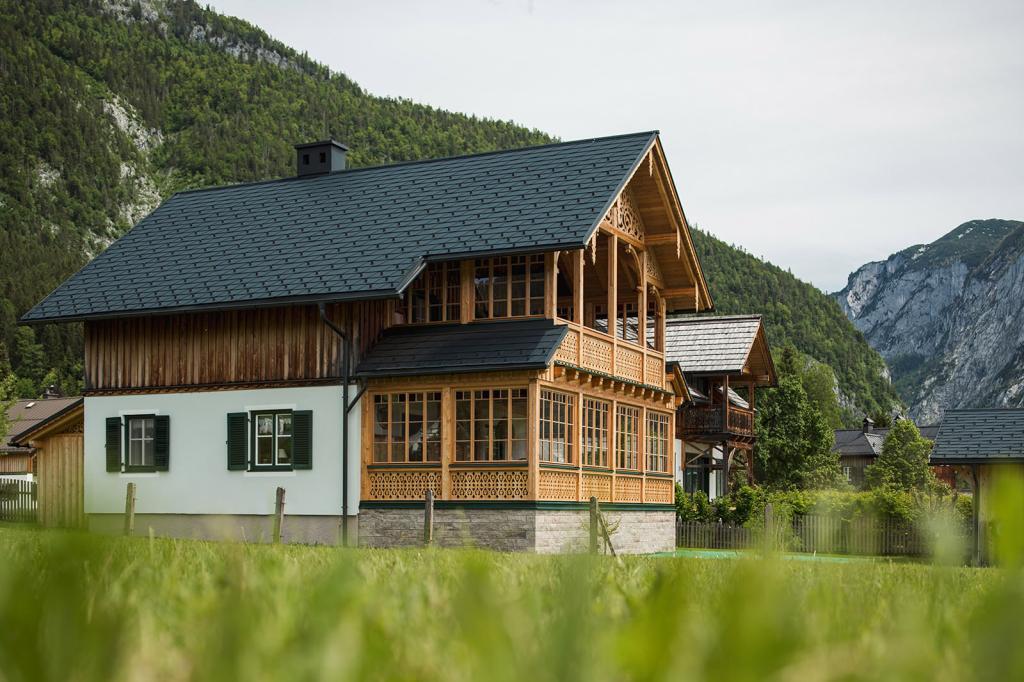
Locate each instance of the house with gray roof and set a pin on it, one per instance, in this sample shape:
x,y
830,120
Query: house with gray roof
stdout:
x,y
490,329
859,448
720,358
988,445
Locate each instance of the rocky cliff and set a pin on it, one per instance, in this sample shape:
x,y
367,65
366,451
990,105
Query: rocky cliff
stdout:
x,y
948,317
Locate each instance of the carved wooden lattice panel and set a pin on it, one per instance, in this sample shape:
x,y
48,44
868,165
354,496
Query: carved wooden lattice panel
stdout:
x,y
567,349
660,490
628,488
596,485
629,363
597,354
655,371
626,217
557,485
489,485
403,485
652,267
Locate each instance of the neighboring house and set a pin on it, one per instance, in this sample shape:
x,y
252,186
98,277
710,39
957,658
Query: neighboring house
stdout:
x,y
718,357
858,448
490,328
16,455
989,445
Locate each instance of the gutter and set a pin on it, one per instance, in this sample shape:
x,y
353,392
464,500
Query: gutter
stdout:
x,y
345,408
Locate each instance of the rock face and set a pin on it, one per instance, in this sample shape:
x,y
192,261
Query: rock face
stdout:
x,y
948,317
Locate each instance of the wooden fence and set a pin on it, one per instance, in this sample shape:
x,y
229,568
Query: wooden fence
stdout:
x,y
17,500
816,534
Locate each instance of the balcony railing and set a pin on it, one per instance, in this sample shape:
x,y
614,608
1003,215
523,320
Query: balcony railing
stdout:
x,y
708,420
594,350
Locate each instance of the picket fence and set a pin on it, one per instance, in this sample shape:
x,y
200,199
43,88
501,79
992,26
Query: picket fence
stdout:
x,y
815,534
17,500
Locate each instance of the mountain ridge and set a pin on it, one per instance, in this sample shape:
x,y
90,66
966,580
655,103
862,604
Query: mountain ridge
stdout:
x,y
947,317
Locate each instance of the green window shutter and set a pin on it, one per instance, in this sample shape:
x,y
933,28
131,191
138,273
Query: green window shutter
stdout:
x,y
302,439
113,444
161,442
238,440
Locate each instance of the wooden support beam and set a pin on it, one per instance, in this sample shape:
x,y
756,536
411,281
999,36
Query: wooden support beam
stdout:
x,y
661,239
577,286
680,292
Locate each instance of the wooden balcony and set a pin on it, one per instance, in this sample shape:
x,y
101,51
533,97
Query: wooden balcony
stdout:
x,y
596,351
713,421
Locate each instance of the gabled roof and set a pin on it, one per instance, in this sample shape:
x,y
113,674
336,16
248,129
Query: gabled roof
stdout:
x,y
980,436
719,345
355,234
26,416
460,348
857,443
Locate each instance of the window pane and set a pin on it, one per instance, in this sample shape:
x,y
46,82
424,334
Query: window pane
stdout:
x,y
518,286
537,285
135,452
265,425
398,427
284,425
500,287
415,427
284,449
433,427
481,425
380,428
463,425
264,450
483,289
135,427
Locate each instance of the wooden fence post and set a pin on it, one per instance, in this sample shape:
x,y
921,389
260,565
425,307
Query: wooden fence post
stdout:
x,y
593,525
129,510
428,519
278,514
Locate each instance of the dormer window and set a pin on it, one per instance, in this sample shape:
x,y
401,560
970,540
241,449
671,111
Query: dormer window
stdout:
x,y
435,296
510,286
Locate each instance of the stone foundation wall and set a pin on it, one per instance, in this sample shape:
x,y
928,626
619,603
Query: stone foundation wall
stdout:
x,y
310,530
545,531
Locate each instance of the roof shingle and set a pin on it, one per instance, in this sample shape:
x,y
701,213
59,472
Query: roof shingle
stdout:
x,y
460,348
359,233
980,435
710,344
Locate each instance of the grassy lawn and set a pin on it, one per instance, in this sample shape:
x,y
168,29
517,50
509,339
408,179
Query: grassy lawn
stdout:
x,y
79,608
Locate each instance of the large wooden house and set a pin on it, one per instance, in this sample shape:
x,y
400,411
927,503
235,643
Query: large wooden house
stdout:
x,y
490,328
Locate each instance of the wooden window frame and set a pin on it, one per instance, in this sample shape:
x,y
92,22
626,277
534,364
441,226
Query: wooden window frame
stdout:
x,y
531,301
426,397
657,433
628,453
449,292
595,432
548,425
254,436
127,466
512,394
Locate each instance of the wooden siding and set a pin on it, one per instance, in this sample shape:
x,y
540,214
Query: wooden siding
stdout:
x,y
20,463
227,348
60,471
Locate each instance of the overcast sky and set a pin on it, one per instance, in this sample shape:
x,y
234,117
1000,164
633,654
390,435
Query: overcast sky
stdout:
x,y
818,135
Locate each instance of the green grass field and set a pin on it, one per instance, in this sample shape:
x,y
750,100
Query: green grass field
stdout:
x,y
74,607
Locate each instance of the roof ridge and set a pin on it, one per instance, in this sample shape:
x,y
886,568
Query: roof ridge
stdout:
x,y
398,164
717,318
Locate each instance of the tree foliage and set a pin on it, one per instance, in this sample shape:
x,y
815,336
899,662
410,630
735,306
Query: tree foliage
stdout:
x,y
794,438
903,464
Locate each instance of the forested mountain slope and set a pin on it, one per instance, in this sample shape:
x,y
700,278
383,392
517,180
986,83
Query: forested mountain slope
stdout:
x,y
798,313
108,107
948,317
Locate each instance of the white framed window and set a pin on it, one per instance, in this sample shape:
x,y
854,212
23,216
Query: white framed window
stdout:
x,y
139,439
272,440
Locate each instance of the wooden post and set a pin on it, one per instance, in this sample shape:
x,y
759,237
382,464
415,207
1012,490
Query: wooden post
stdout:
x,y
594,521
577,291
428,519
129,510
976,513
279,514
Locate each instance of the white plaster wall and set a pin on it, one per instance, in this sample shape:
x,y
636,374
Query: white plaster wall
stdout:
x,y
198,481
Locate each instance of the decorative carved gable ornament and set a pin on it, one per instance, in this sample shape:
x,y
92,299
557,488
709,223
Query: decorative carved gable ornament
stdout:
x,y
625,216
653,269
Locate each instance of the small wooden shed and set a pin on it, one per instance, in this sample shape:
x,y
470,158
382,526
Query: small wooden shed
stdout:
x,y
59,453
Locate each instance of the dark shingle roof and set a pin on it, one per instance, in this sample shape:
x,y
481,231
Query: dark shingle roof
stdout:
x,y
359,233
710,344
457,348
26,415
856,443
987,435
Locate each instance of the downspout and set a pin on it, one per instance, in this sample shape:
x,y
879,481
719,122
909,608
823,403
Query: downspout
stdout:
x,y
344,419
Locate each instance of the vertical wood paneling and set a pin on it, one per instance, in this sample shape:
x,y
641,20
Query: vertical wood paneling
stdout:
x,y
240,346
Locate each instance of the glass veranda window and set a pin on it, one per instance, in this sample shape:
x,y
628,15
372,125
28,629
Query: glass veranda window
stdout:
x,y
491,425
595,432
627,437
407,427
510,286
556,426
658,443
